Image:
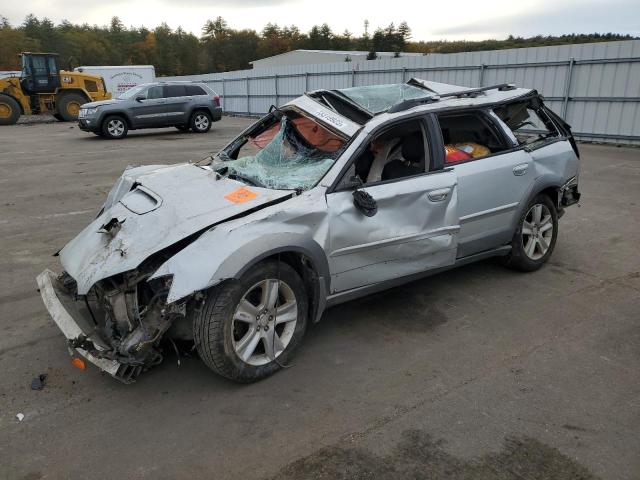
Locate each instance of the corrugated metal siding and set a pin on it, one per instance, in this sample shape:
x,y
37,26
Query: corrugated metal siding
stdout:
x,y
594,86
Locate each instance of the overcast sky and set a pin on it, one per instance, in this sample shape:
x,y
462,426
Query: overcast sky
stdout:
x,y
453,20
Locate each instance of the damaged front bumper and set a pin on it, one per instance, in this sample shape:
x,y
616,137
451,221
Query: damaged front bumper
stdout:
x,y
83,334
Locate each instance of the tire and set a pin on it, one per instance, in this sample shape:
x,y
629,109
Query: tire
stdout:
x,y
183,128
220,335
529,251
58,117
9,110
114,127
200,122
68,106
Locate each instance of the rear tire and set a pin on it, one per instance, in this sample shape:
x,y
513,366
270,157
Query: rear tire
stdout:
x,y
535,237
234,330
114,127
200,122
68,106
58,117
9,110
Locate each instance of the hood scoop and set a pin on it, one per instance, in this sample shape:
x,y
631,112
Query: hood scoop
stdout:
x,y
141,200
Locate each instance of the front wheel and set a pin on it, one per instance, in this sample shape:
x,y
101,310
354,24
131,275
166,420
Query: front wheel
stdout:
x,y
200,122
247,329
9,110
114,127
535,237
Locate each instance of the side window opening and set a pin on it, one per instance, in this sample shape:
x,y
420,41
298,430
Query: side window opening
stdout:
x,y
469,136
529,125
154,92
175,91
396,153
194,90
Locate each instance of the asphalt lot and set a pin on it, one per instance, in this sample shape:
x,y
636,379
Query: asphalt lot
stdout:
x,y
476,373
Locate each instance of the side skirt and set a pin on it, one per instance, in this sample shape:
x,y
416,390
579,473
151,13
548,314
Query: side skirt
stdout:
x,y
359,292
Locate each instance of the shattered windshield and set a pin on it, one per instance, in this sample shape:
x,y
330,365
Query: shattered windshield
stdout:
x,y
380,98
293,153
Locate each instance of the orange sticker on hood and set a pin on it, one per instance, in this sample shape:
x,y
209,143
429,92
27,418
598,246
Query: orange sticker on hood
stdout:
x,y
241,195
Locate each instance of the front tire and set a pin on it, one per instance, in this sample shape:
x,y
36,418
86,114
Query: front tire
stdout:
x,y
9,110
114,127
68,106
535,237
247,329
200,122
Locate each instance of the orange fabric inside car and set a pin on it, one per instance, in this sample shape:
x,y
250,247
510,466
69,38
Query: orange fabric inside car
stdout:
x,y
464,151
314,134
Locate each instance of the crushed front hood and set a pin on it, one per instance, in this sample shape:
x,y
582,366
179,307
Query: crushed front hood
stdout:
x,y
171,203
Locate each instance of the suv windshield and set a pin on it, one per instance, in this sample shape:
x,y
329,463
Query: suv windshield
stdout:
x,y
292,153
132,92
379,98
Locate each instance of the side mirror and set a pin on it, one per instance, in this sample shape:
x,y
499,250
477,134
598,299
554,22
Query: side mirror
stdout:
x,y
140,98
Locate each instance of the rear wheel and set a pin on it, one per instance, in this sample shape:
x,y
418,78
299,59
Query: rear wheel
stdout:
x,y
58,117
200,122
248,328
69,106
114,127
9,110
535,237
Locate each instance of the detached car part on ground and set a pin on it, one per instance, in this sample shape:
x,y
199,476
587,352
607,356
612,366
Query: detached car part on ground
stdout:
x,y
338,194
184,105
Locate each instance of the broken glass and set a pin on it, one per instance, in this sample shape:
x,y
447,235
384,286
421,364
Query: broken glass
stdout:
x,y
293,154
380,98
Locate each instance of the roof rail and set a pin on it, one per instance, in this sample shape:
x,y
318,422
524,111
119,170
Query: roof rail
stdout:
x,y
474,92
407,104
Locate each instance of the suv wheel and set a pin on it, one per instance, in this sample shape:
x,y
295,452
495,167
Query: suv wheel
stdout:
x,y
114,127
248,329
200,122
535,237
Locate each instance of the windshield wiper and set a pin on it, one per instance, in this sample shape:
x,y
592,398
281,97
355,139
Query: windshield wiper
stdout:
x,y
242,178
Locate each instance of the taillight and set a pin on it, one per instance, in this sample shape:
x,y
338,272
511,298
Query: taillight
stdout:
x,y
216,100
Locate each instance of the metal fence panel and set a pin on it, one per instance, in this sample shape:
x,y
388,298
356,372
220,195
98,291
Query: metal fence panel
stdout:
x,y
594,86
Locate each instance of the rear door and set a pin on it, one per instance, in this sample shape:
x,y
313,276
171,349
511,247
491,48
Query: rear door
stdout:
x,y
491,184
150,111
178,104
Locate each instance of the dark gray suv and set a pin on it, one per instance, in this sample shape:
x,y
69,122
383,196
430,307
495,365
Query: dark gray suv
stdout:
x,y
184,105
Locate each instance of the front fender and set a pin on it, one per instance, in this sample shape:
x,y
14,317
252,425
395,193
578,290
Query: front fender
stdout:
x,y
228,250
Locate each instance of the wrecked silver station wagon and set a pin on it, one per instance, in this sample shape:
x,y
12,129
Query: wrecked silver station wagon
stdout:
x,y
338,194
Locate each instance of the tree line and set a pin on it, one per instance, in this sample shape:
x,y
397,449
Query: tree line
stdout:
x,y
222,48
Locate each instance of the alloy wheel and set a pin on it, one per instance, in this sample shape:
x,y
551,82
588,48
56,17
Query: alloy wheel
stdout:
x,y
264,322
201,122
115,127
537,231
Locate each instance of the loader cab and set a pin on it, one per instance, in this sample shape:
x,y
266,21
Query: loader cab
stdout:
x,y
40,73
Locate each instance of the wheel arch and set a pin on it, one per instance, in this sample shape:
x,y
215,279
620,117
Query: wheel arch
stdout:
x,y
119,113
547,185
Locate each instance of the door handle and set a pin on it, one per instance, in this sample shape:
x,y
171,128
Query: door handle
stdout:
x,y
520,170
439,195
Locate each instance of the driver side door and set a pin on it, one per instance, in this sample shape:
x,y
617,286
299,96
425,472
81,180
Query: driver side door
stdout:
x,y
150,111
413,230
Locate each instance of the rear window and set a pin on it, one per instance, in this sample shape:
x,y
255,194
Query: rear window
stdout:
x,y
194,90
175,91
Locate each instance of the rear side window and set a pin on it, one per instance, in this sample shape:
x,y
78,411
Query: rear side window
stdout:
x,y
469,136
175,91
194,90
530,126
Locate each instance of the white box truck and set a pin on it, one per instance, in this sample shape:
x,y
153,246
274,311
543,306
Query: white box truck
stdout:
x,y
120,78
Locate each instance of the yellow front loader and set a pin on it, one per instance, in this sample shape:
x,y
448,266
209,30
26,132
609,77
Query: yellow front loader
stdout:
x,y
44,88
